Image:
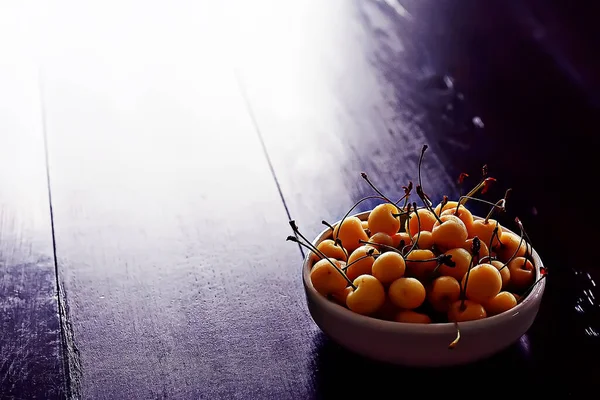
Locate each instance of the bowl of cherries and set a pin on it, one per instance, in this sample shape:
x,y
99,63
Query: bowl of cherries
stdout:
x,y
423,284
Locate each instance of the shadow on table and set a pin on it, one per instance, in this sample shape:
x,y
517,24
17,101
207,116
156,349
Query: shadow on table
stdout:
x,y
340,372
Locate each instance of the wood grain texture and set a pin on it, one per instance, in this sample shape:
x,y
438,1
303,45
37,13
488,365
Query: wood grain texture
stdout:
x,y
360,86
327,110
169,228
30,352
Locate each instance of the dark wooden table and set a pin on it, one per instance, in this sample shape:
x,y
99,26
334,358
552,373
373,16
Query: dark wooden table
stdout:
x,y
151,155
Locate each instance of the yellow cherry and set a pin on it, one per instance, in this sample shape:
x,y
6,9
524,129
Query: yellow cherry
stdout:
x,y
451,233
381,238
448,206
482,283
359,263
326,279
444,291
466,311
504,272
501,302
412,317
416,267
462,260
510,243
522,273
350,233
463,214
330,249
425,221
484,230
368,297
388,267
382,219
424,240
407,293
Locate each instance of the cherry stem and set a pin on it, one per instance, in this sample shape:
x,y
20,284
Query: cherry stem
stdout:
x,y
294,239
442,259
494,236
514,255
443,204
418,227
353,207
460,203
463,199
526,293
369,254
488,257
391,248
405,247
423,197
452,345
499,204
316,250
366,178
528,246
423,150
474,253
327,224
407,190
338,242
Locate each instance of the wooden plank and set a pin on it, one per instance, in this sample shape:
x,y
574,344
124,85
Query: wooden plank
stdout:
x,y
170,231
360,86
30,351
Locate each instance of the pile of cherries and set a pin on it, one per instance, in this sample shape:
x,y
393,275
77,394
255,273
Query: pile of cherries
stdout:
x,y
420,264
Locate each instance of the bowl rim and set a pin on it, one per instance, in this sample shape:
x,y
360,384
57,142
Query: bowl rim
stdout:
x,y
530,301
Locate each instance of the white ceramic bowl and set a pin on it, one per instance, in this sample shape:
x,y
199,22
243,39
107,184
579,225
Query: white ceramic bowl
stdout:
x,y
423,345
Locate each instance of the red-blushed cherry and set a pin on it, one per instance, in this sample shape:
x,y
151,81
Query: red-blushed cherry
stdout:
x,y
425,221
382,238
462,260
350,233
451,233
407,293
412,317
360,263
325,279
443,291
382,219
420,264
522,273
467,310
368,297
463,214
504,272
388,267
482,283
500,303
424,240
